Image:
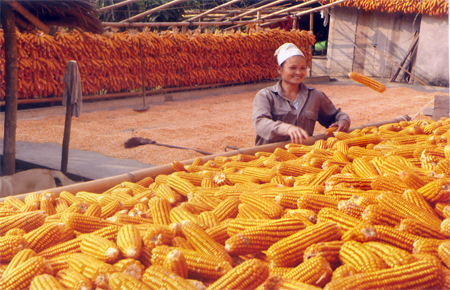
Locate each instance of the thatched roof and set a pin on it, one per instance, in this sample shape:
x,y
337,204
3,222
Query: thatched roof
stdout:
x,y
72,13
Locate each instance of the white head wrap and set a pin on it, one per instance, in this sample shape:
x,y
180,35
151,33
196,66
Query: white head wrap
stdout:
x,y
286,51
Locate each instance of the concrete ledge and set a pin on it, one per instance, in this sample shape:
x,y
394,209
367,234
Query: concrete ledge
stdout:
x,y
136,102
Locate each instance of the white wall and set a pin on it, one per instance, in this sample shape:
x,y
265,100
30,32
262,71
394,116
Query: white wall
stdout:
x,y
392,34
432,62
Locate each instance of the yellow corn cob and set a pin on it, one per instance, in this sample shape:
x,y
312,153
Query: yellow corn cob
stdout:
x,y
260,238
129,241
295,169
281,253
157,235
72,246
200,265
415,227
130,267
145,182
176,263
111,208
324,175
100,248
86,224
328,250
314,271
28,208
247,275
407,209
5,212
32,198
364,169
208,182
94,209
88,197
208,219
343,271
15,232
160,210
180,242
202,242
21,276
13,202
158,277
127,219
123,193
379,215
350,208
44,237
444,252
249,211
270,207
218,233
10,246
276,282
229,208
427,246
360,257
344,221
316,202
19,258
445,228
416,198
180,185
177,166
436,191
238,225
77,207
418,275
69,197
308,217
388,235
59,262
440,208
283,155
97,271
61,205
26,221
45,282
126,282
392,256
72,279
368,82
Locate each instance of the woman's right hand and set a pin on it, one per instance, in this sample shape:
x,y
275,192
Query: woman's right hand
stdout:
x,y
297,134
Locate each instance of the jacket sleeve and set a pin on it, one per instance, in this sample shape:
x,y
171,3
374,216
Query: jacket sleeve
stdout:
x,y
328,114
262,119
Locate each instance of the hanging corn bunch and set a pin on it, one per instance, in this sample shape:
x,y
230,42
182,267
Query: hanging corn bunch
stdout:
x,y
111,61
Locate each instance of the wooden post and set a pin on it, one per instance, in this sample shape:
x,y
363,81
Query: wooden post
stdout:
x,y
9,141
441,107
66,138
311,29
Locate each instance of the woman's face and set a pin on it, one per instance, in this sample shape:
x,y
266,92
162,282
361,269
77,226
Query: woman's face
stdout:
x,y
293,70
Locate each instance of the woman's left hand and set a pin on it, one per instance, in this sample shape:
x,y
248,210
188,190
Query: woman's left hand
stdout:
x,y
342,125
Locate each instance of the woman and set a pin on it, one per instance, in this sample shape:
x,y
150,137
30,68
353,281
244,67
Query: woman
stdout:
x,y
290,109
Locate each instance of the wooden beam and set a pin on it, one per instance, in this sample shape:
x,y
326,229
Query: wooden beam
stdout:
x,y
214,9
30,17
11,67
151,11
251,6
116,5
295,7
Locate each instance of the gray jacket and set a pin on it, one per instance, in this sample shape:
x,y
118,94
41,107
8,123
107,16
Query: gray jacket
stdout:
x,y
273,114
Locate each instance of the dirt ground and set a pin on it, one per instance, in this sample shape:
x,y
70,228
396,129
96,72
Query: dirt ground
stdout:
x,y
209,124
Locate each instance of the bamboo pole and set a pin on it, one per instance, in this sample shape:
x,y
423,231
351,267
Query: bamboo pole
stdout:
x,y
213,9
154,10
253,11
11,68
251,6
116,5
30,17
184,23
101,185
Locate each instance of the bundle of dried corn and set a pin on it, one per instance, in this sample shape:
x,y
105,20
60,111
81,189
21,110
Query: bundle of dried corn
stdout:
x,y
111,62
430,7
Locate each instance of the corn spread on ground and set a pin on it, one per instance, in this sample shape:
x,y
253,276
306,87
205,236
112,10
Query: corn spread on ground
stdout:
x,y
364,210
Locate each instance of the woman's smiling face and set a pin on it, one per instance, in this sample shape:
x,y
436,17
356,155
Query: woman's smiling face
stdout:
x,y
293,70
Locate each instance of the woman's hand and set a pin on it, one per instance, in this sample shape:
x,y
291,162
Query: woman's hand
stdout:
x,y
342,125
297,134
